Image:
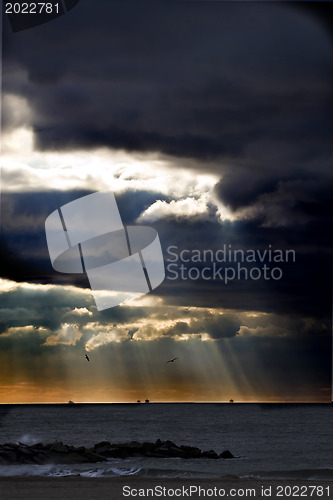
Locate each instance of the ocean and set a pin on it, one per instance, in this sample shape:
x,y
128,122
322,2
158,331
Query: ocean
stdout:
x,y
285,441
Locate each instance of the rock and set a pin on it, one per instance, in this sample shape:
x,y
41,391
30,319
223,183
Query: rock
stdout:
x,y
149,447
117,451
60,448
101,450
226,454
209,454
90,456
191,451
73,458
170,443
154,454
9,447
8,457
102,444
134,448
134,445
170,452
59,453
37,446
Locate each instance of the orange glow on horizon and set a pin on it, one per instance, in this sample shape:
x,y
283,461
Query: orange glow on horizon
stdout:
x,y
24,394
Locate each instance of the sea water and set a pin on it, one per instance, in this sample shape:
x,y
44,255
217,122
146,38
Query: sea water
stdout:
x,y
269,440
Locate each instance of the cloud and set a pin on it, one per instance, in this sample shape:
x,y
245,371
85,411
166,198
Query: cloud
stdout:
x,y
25,255
67,335
66,315
82,311
200,99
42,306
186,208
43,344
275,202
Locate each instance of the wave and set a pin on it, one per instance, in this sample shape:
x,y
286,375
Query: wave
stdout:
x,y
51,470
114,470
96,472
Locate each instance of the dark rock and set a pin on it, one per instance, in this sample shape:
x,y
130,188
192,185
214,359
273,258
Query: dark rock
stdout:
x,y
9,446
90,456
154,454
191,451
226,454
60,448
170,451
37,446
101,450
117,451
134,445
209,454
26,452
170,443
8,457
72,458
102,444
59,453
149,446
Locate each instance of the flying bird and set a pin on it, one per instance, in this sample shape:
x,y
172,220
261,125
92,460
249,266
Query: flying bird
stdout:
x,y
87,358
172,360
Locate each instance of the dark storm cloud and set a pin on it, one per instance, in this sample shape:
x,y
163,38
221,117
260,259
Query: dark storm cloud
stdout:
x,y
247,86
305,284
188,79
303,199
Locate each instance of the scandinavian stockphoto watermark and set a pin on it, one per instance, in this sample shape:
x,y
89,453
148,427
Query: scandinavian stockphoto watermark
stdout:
x,y
122,263
227,263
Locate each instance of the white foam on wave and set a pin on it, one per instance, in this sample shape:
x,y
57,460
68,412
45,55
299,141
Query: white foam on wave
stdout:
x,y
126,472
62,473
114,470
92,473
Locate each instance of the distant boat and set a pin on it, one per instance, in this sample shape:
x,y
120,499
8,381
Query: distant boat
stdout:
x,y
231,401
147,401
138,401
71,403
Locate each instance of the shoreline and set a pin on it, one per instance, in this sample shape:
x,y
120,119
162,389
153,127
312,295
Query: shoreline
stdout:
x,y
118,488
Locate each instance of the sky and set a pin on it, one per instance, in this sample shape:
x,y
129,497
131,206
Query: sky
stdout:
x,y
210,122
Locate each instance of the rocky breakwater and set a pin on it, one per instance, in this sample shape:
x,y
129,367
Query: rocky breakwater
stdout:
x,y
59,453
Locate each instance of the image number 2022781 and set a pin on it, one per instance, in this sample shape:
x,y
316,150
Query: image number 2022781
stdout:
x,y
25,15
